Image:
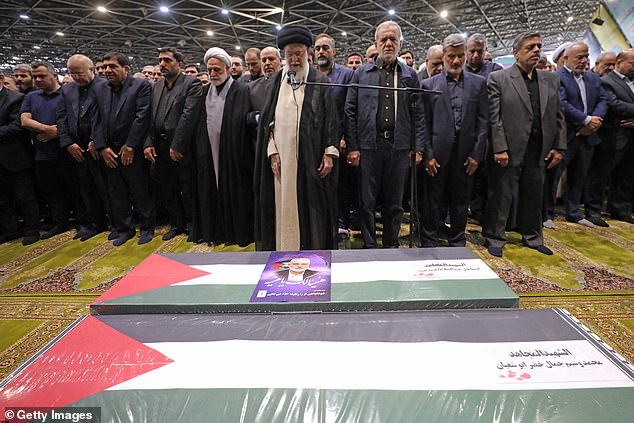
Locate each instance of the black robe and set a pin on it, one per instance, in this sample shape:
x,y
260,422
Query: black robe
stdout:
x,y
224,213
316,197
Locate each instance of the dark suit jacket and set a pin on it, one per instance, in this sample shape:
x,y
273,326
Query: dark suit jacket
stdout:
x,y
132,113
182,115
68,113
511,113
361,108
621,106
596,100
15,151
440,130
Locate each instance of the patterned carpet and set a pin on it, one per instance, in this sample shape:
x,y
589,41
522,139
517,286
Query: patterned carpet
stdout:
x,y
46,286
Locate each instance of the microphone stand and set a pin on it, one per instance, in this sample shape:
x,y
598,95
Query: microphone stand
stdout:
x,y
412,93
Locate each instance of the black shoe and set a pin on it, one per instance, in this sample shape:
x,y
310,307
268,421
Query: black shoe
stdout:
x,y
113,235
170,234
145,237
8,237
123,238
597,221
625,218
89,233
544,250
30,239
495,251
55,230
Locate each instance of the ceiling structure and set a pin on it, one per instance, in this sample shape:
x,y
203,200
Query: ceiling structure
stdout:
x,y
54,29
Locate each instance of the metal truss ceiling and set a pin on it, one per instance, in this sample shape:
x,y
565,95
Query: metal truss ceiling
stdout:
x,y
138,28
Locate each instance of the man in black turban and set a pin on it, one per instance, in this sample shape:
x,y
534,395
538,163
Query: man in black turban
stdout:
x,y
295,170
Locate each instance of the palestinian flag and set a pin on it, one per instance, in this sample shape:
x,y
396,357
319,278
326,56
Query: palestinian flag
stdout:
x,y
441,366
401,279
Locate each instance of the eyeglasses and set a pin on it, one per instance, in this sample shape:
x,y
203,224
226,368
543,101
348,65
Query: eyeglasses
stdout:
x,y
297,54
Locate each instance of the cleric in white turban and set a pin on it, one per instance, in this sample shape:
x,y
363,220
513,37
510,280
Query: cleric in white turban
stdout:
x,y
222,211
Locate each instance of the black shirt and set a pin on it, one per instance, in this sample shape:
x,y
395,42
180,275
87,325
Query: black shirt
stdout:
x,y
83,120
456,93
385,117
115,94
533,92
167,94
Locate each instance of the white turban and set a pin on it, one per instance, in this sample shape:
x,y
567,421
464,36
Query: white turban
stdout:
x,y
560,50
218,53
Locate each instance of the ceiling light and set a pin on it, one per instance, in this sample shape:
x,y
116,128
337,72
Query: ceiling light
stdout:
x,y
130,57
61,34
24,16
101,9
569,19
278,27
278,10
444,14
210,33
464,34
224,11
391,11
344,33
237,47
16,58
37,47
164,9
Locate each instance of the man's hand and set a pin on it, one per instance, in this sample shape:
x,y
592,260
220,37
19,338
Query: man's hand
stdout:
x,y
276,165
49,133
93,151
627,123
342,144
502,158
325,167
471,164
584,131
419,157
353,157
554,157
431,167
127,156
150,154
595,123
76,151
176,156
109,157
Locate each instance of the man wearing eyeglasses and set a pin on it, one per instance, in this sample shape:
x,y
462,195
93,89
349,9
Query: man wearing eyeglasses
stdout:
x,y
295,186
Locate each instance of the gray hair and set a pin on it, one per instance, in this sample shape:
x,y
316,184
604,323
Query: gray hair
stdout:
x,y
572,45
478,39
603,55
22,67
519,40
386,24
84,60
272,48
49,67
433,49
453,40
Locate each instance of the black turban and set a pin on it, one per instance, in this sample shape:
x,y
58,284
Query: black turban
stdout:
x,y
294,34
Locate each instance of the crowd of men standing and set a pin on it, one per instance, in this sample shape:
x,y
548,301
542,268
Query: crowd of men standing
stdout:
x,y
271,153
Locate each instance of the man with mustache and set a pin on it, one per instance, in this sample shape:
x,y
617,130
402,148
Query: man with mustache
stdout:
x,y
523,144
294,186
223,151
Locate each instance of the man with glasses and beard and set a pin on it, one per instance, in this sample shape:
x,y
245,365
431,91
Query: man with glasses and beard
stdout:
x,y
295,190
222,186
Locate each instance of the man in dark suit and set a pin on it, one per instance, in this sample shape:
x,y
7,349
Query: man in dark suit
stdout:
x,y
175,102
16,168
433,63
378,133
455,142
124,107
613,158
76,124
528,132
585,105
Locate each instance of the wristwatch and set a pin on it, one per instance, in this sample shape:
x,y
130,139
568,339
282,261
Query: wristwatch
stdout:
x,y
130,149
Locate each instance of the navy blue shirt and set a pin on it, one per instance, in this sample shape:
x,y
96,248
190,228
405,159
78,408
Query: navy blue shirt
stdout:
x,y
43,108
456,93
340,75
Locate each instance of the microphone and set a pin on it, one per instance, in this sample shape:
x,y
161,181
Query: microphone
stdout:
x,y
290,78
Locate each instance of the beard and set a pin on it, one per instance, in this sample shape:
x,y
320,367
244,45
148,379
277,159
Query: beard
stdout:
x,y
219,81
323,62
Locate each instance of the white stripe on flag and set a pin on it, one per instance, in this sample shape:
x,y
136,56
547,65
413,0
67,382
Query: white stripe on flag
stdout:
x,y
381,365
407,271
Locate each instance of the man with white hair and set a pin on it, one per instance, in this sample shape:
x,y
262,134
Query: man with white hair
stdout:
x,y
222,206
295,188
433,62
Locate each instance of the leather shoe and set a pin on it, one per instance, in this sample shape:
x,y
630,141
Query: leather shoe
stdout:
x,y
543,249
8,237
113,235
495,251
55,230
89,233
145,237
170,234
122,239
625,218
30,239
597,221
549,224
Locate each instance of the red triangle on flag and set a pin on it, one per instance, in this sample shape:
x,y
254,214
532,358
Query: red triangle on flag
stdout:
x,y
90,358
154,272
